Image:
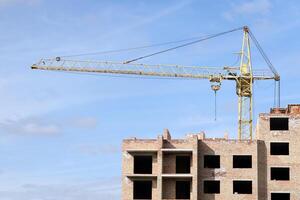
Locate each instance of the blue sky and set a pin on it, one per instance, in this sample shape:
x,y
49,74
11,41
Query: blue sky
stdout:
x,y
61,133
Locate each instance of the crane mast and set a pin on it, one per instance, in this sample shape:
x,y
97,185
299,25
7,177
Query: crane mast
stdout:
x,y
244,87
243,75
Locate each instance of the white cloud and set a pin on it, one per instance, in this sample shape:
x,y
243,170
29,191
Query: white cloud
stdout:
x,y
260,7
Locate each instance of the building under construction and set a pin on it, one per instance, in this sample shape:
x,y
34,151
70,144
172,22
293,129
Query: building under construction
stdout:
x,y
265,168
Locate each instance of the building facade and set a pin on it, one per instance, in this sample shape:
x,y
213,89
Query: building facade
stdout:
x,y
200,168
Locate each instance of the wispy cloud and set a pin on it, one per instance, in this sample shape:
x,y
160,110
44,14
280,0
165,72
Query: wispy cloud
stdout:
x,y
260,7
164,12
29,127
195,120
105,189
85,122
40,126
142,20
89,149
5,3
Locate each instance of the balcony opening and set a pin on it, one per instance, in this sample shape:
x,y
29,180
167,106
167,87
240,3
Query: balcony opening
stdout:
x,y
143,164
142,190
242,187
279,124
183,189
183,164
279,148
280,196
244,161
280,173
211,187
211,161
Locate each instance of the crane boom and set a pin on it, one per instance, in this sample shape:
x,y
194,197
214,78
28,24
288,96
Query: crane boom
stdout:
x,y
179,71
243,75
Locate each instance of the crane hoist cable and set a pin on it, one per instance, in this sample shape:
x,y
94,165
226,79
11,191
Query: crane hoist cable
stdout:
x,y
215,86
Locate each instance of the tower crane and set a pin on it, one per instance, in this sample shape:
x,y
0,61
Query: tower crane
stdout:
x,y
243,74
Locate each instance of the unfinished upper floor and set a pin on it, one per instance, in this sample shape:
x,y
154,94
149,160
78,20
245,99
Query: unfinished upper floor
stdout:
x,y
203,168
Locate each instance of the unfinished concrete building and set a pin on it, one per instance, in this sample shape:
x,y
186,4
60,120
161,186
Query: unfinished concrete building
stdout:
x,y
200,168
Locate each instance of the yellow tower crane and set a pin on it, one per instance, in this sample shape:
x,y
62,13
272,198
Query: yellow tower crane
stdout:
x,y
243,75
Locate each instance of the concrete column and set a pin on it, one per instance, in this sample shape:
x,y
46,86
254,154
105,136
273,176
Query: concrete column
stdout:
x,y
160,167
195,169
